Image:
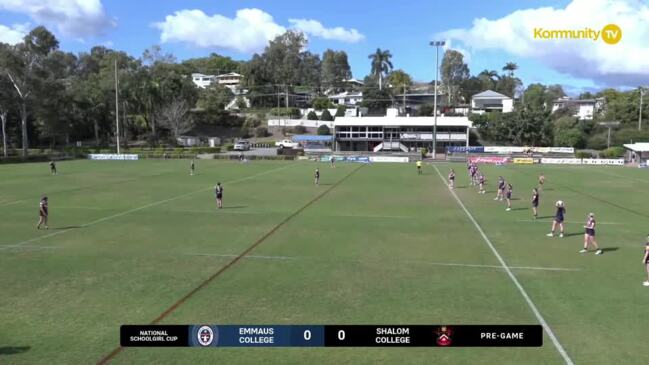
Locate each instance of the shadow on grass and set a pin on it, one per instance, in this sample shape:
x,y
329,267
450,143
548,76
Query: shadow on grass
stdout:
x,y
13,350
520,208
573,234
610,249
546,216
235,207
325,184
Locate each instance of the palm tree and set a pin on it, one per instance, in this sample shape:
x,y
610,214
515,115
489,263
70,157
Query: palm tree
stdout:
x,y
380,64
490,74
510,67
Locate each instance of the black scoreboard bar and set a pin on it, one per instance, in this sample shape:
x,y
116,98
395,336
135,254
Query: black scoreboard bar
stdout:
x,y
331,335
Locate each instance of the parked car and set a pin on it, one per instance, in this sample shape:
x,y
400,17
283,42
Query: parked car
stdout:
x,y
287,143
241,146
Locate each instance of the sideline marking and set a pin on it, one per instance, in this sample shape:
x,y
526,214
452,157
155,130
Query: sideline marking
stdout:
x,y
513,278
571,222
159,202
234,260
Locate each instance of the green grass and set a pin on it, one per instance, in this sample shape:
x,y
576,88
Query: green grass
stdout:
x,y
366,246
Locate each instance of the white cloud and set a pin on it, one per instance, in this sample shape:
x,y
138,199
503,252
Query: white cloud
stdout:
x,y
316,29
75,18
13,34
249,31
623,64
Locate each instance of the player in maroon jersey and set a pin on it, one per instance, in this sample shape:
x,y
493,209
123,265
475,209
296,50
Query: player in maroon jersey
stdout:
x,y
42,213
645,260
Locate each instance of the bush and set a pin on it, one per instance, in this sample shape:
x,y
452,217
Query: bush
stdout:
x,y
286,112
299,129
569,138
583,154
323,130
321,103
326,116
261,132
613,152
597,142
340,111
312,116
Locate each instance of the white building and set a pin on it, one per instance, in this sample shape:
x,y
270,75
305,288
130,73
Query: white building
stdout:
x,y
584,109
231,80
395,133
347,98
489,100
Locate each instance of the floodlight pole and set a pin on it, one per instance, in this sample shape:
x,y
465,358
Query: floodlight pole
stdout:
x,y
436,44
116,105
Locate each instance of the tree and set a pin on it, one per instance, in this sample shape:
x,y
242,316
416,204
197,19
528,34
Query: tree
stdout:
x,y
375,100
340,111
154,55
214,64
321,103
214,98
470,87
175,116
335,69
510,67
323,130
326,116
23,66
488,79
312,116
508,85
381,64
400,81
453,72
534,97
7,101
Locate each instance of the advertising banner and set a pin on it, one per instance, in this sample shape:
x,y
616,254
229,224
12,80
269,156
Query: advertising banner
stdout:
x,y
489,160
603,161
389,159
110,156
360,159
561,161
526,161
470,149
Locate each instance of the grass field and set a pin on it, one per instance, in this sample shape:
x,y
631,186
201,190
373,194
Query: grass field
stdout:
x,y
373,244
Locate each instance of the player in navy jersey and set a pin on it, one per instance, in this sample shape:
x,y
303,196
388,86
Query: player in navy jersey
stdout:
x,y
508,195
451,179
535,202
589,235
43,213
192,168
481,180
316,175
218,191
501,188
333,161
52,168
559,217
645,260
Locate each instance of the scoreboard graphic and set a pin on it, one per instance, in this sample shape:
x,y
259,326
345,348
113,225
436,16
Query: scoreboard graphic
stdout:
x,y
331,335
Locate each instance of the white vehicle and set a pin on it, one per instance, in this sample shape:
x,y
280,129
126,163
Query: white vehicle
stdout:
x,y
286,143
242,146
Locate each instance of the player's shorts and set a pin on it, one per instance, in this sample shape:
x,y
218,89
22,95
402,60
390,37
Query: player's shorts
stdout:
x,y
590,232
42,214
558,219
509,195
219,196
535,204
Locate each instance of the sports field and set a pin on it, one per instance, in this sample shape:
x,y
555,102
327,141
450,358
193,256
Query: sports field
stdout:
x,y
142,241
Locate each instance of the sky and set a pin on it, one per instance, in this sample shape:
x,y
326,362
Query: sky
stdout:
x,y
488,33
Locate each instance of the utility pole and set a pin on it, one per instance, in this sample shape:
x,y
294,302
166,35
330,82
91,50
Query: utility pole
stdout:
x,y
116,105
436,44
642,91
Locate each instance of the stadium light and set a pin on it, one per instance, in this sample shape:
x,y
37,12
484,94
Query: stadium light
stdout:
x,y
436,44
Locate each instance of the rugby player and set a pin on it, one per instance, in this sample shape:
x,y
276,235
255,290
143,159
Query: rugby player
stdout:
x,y
317,176
508,195
419,167
218,191
52,167
535,202
451,179
645,260
558,219
43,213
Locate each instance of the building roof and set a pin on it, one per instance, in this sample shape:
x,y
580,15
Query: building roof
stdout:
x,y
312,138
489,94
638,147
347,94
229,74
403,121
577,101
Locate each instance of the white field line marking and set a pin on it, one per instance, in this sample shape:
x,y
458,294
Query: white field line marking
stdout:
x,y
159,202
571,222
513,278
401,262
29,246
608,173
13,202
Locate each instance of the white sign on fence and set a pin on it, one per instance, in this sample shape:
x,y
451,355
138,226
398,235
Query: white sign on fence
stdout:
x,y
561,161
112,156
603,161
389,159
